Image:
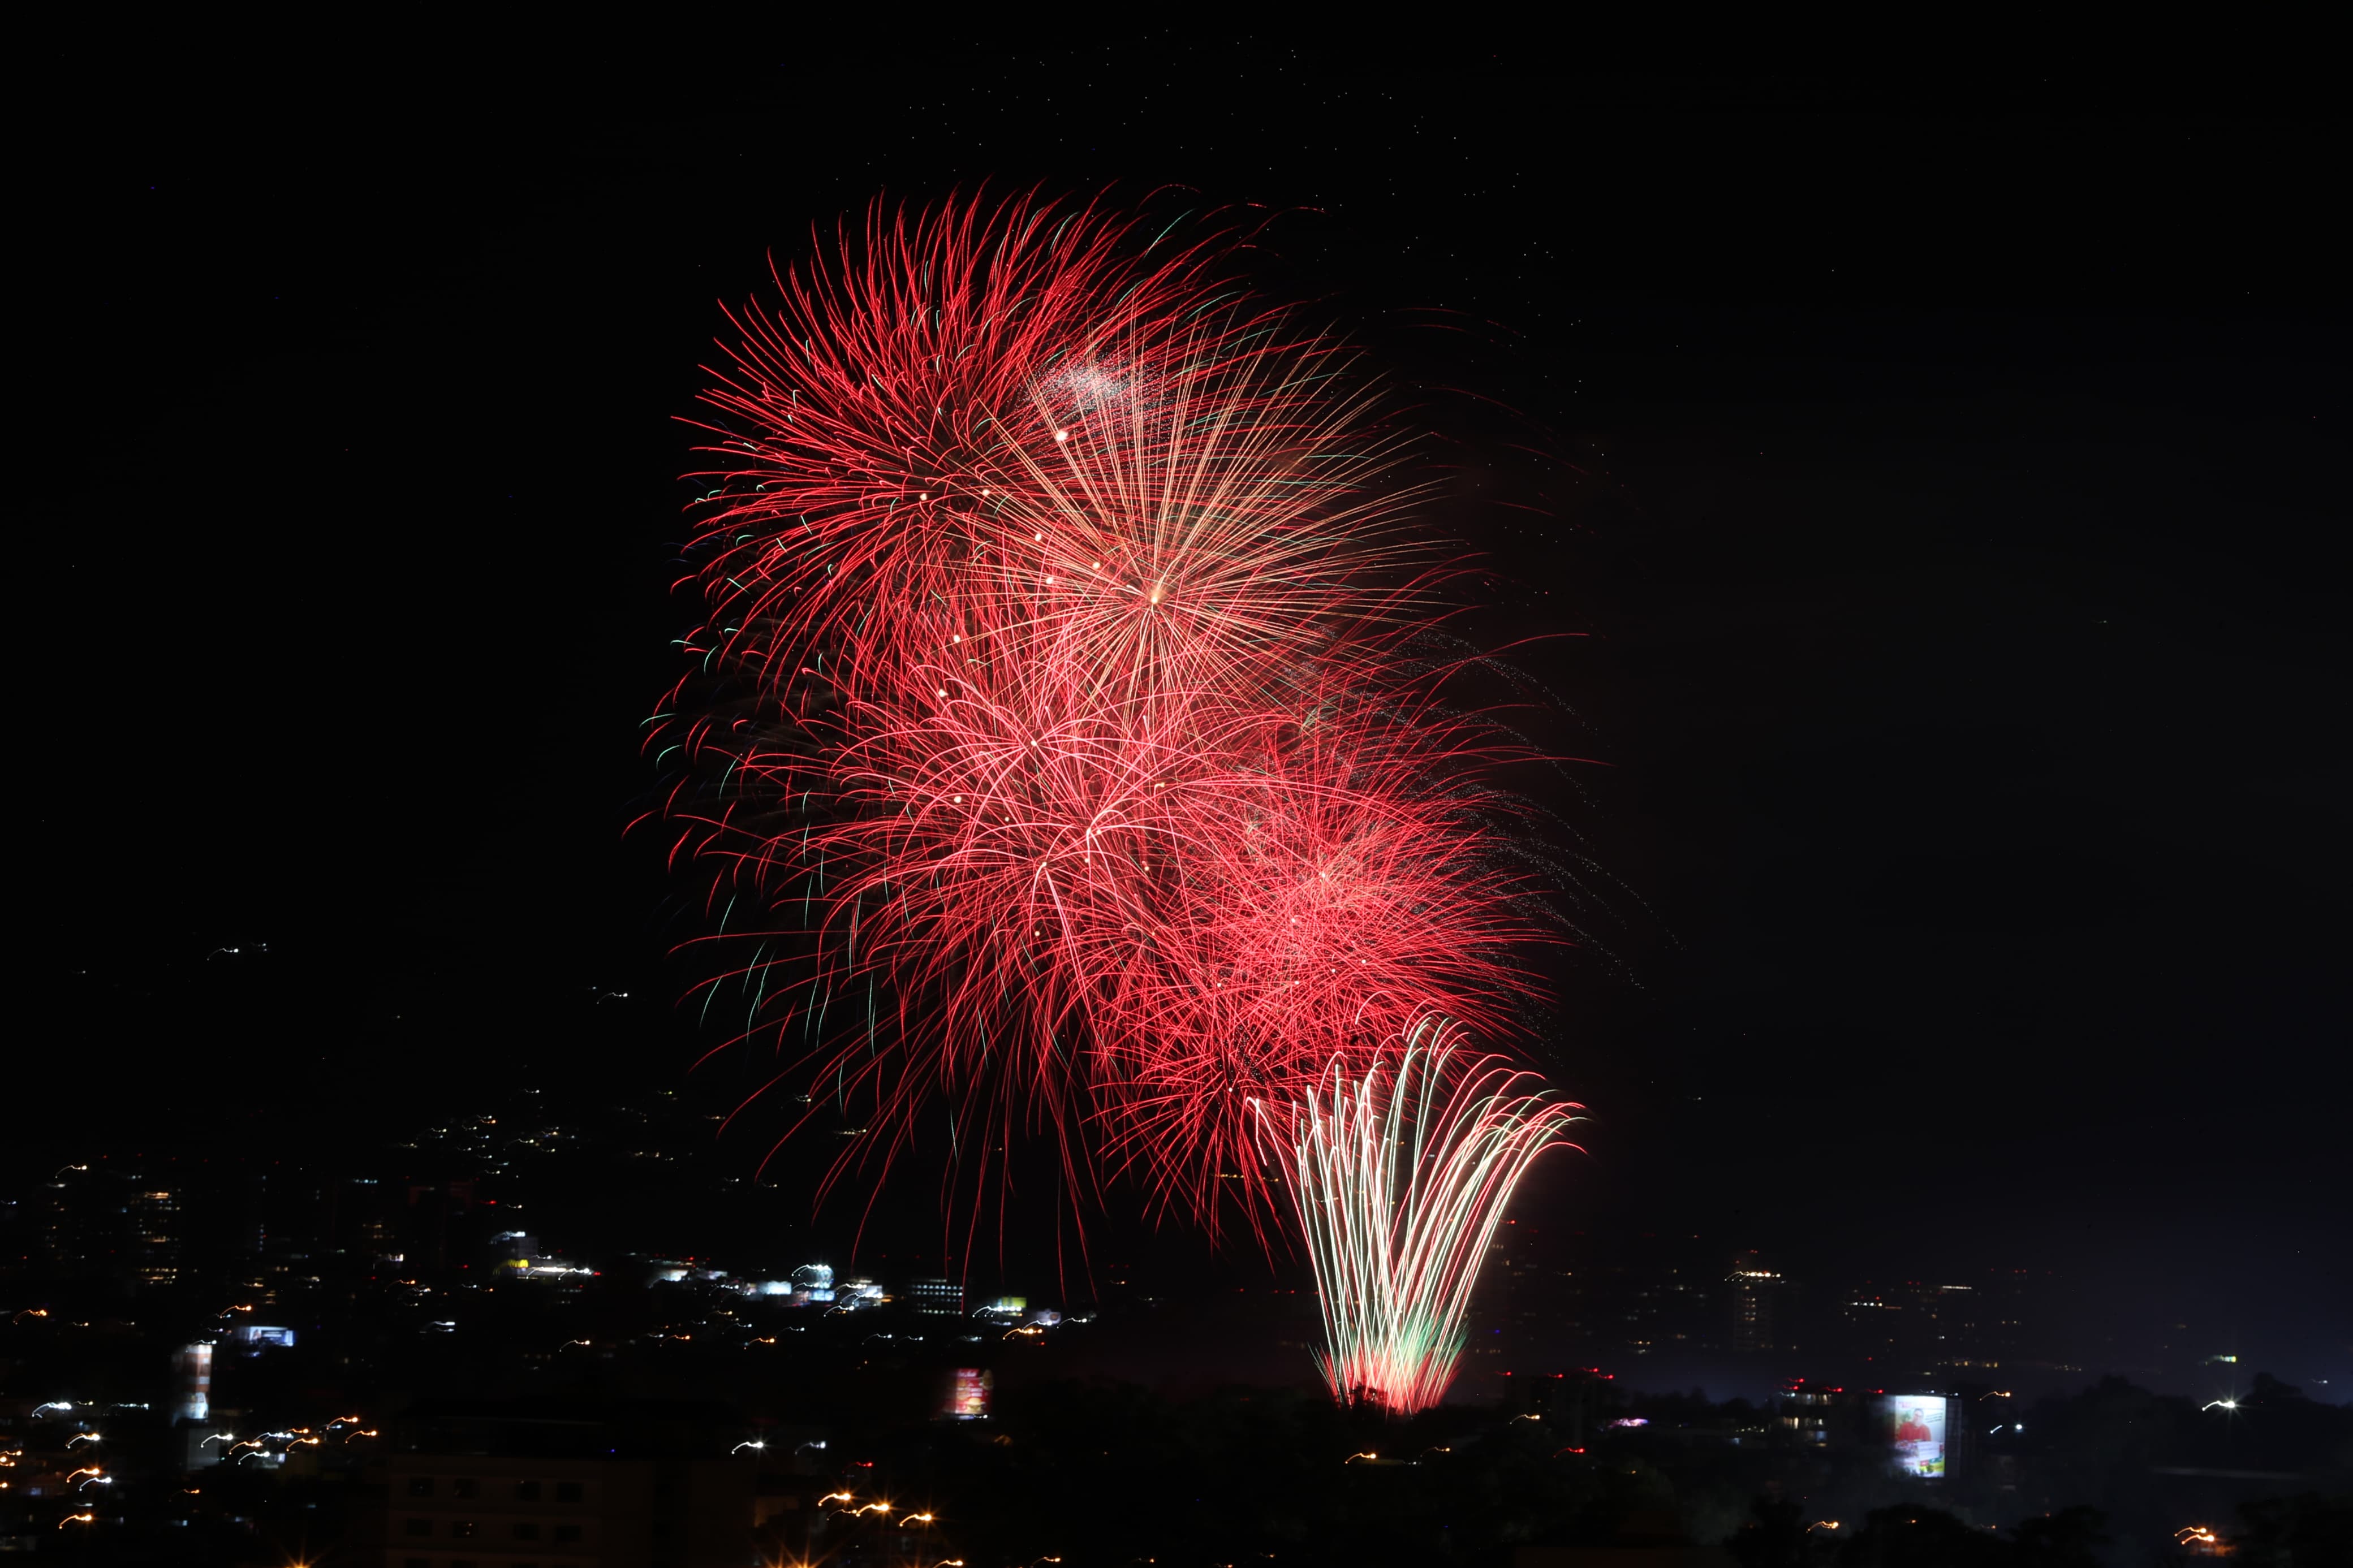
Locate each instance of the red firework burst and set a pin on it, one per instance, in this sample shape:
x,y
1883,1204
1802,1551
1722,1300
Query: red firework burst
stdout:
x,y
1059,687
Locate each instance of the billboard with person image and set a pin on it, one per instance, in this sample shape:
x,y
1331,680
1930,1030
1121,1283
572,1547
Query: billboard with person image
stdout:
x,y
1916,1433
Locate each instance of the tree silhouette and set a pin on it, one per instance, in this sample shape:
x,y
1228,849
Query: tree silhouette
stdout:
x,y
2292,1532
2069,1539
1922,1538
1775,1536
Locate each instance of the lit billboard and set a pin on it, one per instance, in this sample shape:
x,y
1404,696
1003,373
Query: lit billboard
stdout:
x,y
1916,1433
196,1380
968,1393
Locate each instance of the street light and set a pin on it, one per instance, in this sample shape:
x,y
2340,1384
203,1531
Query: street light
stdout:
x,y
755,1442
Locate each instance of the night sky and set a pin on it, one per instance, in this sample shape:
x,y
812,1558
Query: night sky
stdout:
x,y
1927,498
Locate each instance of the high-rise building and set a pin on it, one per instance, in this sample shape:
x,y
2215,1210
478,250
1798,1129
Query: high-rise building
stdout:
x,y
114,1224
151,1235
193,1386
1751,1295
1929,1329
938,1297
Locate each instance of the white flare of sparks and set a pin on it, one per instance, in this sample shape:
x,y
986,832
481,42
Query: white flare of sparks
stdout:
x,y
1401,1178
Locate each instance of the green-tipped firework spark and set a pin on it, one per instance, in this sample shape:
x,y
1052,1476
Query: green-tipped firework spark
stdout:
x,y
1401,1177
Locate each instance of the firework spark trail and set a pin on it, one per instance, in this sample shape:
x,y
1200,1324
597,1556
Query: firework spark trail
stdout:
x,y
1007,428
1059,700
1401,1179
1326,905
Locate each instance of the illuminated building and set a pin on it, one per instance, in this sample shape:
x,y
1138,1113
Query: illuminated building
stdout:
x,y
517,1255
1750,1294
1933,1331
810,1284
152,1235
1825,1417
936,1298
193,1391
112,1224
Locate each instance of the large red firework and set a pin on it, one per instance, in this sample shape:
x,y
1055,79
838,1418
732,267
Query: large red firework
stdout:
x,y
1062,702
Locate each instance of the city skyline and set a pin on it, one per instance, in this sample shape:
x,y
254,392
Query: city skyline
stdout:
x,y
1912,506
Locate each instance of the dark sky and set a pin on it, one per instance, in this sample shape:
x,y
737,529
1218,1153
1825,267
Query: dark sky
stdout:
x,y
1944,482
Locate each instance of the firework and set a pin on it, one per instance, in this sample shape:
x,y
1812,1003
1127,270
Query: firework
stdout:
x,y
1400,1178
1325,904
1062,739
1014,441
